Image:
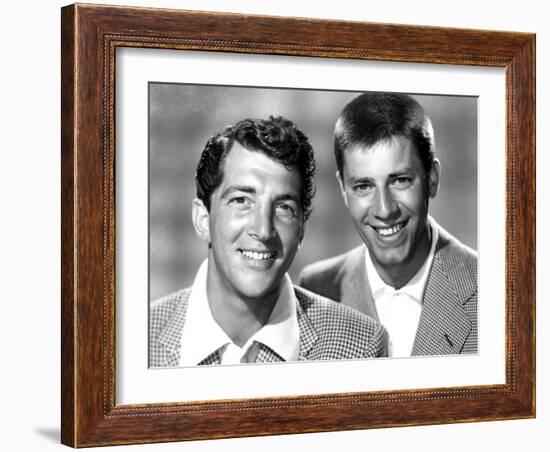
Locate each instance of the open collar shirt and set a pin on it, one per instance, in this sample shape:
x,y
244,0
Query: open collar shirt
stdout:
x,y
399,310
202,335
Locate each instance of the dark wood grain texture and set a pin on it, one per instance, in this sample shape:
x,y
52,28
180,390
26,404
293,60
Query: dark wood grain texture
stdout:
x,y
90,36
67,224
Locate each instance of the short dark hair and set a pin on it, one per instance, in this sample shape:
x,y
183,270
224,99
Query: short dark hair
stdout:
x,y
374,117
276,137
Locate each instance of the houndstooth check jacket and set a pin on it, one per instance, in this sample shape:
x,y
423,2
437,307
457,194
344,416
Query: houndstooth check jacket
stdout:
x,y
327,331
448,321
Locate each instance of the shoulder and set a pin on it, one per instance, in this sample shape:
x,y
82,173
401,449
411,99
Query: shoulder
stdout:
x,y
320,309
330,265
342,332
330,269
163,309
328,277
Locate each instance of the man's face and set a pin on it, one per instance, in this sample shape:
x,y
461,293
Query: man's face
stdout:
x,y
386,191
254,226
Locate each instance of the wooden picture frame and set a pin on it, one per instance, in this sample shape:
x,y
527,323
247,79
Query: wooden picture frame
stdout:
x,y
90,36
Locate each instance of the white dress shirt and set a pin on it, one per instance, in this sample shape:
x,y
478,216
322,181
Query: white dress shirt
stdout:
x,y
399,310
202,335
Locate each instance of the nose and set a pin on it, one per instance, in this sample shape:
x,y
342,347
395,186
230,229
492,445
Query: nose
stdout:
x,y
386,207
261,224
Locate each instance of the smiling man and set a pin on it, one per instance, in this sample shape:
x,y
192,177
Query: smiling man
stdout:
x,y
412,275
254,190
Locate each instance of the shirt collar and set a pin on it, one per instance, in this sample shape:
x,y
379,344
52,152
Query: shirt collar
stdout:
x,y
416,285
281,332
202,335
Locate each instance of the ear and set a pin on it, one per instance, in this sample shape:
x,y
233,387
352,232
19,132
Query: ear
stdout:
x,y
433,178
201,220
340,179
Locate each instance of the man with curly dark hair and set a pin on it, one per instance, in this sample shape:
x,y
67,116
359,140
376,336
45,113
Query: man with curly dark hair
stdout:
x,y
254,190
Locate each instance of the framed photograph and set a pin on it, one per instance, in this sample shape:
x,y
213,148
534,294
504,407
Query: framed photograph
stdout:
x,y
153,99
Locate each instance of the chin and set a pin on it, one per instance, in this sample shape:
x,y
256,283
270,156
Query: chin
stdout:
x,y
259,295
391,259
257,289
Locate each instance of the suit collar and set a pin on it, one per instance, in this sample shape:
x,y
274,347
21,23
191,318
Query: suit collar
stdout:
x,y
358,293
170,337
308,334
202,335
444,324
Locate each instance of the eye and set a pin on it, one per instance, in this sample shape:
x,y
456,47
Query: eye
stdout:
x,y
363,188
402,182
240,202
286,210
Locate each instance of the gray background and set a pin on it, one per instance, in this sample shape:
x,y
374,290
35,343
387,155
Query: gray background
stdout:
x,y
183,117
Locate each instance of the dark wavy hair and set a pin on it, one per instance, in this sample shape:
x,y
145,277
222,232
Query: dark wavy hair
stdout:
x,y
276,137
374,117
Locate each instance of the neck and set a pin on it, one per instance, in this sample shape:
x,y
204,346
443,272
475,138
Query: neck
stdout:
x,y
397,276
240,316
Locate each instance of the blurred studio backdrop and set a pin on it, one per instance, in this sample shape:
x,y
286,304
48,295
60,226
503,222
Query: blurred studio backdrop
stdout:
x,y
183,117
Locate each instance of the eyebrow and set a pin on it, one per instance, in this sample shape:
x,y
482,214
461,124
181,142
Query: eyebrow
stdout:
x,y
362,180
288,197
251,190
241,188
359,180
406,170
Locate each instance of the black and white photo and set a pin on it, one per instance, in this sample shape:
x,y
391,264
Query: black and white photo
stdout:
x,y
391,235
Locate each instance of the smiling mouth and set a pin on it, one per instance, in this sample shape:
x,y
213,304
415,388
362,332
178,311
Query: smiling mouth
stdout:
x,y
258,255
391,230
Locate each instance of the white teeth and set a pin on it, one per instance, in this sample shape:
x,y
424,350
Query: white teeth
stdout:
x,y
389,231
257,255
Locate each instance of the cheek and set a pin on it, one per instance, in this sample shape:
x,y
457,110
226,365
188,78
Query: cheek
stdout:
x,y
358,207
228,227
411,198
414,202
290,235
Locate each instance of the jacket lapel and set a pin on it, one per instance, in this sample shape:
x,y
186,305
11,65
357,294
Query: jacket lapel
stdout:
x,y
444,324
308,334
213,358
357,293
170,337
267,355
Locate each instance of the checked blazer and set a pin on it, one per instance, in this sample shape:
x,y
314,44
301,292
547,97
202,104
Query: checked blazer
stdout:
x,y
328,331
448,321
